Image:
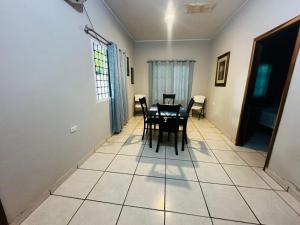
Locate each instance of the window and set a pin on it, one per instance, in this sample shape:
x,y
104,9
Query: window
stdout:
x,y
101,70
170,77
262,80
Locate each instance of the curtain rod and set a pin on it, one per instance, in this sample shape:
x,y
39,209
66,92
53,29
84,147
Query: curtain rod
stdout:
x,y
173,60
95,35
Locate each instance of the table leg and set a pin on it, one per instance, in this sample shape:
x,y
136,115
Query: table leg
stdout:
x,y
184,136
150,136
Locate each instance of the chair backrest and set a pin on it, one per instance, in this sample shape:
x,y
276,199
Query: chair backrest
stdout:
x,y
199,99
168,117
138,96
190,105
144,106
169,99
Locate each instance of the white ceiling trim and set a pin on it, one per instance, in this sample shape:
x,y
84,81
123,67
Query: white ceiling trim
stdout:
x,y
176,40
118,20
229,19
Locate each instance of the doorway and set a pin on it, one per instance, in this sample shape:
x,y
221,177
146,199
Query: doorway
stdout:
x,y
273,58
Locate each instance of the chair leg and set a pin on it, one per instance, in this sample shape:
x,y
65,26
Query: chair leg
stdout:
x,y
185,135
199,114
182,141
147,128
186,138
158,141
176,141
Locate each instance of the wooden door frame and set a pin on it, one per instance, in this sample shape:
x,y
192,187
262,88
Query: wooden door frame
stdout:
x,y
268,34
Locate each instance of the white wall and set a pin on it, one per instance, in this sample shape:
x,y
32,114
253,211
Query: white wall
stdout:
x,y
47,85
197,50
285,159
224,105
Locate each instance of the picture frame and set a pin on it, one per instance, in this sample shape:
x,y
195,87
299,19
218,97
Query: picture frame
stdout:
x,y
222,69
128,71
132,75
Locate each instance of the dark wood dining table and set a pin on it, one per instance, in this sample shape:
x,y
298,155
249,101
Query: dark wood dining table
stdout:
x,y
153,112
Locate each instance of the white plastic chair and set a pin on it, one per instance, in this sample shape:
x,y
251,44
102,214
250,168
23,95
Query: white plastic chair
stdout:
x,y
137,105
199,105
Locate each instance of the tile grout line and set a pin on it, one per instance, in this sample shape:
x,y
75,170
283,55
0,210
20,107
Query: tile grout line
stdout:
x,y
231,149
159,210
93,186
130,181
238,221
212,222
251,167
142,175
241,194
247,164
192,159
128,189
165,178
199,183
172,178
266,181
209,214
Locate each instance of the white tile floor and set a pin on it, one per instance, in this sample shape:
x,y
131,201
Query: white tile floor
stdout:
x,y
212,182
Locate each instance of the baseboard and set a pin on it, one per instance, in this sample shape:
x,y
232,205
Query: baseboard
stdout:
x,y
23,215
295,192
286,185
83,159
277,178
102,142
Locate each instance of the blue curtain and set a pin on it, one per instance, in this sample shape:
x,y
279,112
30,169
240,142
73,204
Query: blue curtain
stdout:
x,y
118,85
170,77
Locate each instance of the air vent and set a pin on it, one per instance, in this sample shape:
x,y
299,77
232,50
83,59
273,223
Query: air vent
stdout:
x,y
200,7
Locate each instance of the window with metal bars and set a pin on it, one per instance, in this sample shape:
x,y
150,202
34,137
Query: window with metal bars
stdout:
x,y
101,70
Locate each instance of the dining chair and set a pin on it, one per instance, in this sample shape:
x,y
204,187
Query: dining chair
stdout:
x,y
137,105
169,99
168,120
183,122
200,101
148,121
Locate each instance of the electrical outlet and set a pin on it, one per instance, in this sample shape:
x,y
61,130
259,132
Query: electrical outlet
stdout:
x,y
73,129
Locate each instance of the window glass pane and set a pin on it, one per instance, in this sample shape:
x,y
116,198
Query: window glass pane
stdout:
x,y
101,70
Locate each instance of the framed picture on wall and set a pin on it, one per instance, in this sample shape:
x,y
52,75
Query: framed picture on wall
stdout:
x,y
222,69
128,72
132,75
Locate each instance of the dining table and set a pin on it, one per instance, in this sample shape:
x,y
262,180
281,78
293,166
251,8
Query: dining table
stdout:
x,y
153,113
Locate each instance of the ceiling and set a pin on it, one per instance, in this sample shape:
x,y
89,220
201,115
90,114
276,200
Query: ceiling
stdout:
x,y
145,19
